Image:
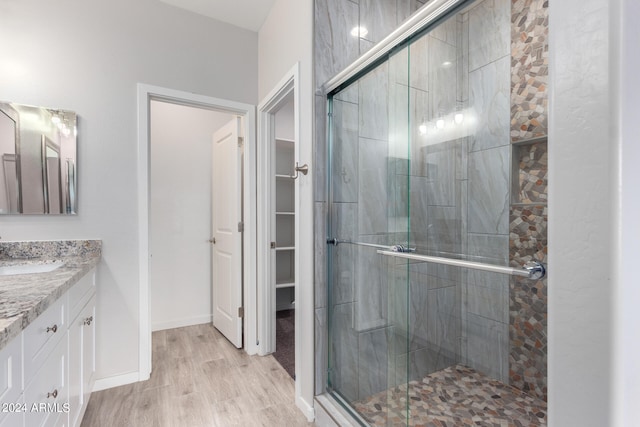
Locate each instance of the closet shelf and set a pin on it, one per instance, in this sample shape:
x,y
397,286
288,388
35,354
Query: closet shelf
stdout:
x,y
285,285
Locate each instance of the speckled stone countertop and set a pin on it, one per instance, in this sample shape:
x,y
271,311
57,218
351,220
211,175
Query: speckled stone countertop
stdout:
x,y
23,297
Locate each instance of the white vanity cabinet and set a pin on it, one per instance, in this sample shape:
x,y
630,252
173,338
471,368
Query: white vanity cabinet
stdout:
x,y
49,368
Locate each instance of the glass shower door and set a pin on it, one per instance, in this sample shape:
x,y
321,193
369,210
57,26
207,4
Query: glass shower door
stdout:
x,y
368,213
425,324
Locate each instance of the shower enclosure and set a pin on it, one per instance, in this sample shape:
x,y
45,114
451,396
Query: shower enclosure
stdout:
x,y
429,179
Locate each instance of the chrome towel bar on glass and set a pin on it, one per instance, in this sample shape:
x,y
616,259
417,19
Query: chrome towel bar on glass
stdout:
x,y
532,270
395,248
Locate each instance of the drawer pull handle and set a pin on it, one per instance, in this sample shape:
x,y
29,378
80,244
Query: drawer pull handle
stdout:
x,y
53,328
88,320
54,394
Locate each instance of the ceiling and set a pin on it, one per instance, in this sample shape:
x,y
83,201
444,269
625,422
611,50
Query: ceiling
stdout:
x,y
247,14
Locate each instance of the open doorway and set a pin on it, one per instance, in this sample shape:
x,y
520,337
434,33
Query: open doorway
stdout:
x,y
180,213
283,216
147,94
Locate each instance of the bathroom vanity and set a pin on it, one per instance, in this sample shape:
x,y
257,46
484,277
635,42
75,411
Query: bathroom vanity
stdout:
x,y
47,331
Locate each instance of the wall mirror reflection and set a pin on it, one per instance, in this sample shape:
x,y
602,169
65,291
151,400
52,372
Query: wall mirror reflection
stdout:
x,y
39,160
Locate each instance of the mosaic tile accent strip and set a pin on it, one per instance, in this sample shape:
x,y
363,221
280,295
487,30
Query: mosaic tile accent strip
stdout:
x,y
528,302
52,249
529,68
532,179
455,396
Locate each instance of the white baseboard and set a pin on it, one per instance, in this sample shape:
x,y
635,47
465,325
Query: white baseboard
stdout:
x,y
181,323
306,409
116,381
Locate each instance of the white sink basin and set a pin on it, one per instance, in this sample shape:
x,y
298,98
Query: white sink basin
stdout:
x,y
10,270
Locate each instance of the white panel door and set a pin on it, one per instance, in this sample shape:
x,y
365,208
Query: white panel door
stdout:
x,y
227,239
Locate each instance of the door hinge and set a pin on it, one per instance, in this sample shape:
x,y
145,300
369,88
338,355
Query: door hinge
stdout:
x,y
240,141
241,312
241,227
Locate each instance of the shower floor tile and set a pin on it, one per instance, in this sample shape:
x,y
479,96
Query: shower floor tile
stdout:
x,y
455,396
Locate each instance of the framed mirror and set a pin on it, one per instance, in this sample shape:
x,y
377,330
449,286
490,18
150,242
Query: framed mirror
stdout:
x,y
39,160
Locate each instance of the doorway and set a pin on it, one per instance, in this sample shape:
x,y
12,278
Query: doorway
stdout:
x,y
283,220
180,213
147,94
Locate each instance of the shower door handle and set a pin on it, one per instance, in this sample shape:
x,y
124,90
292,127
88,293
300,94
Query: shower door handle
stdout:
x,y
401,249
532,270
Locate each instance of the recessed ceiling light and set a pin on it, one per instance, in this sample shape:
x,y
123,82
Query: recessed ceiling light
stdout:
x,y
359,32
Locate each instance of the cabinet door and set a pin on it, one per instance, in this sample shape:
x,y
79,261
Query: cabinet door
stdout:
x,y
75,369
47,395
88,349
15,415
11,381
81,361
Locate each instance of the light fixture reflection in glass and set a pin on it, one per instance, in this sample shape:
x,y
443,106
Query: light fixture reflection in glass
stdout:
x,y
447,64
359,32
458,118
440,124
55,119
422,129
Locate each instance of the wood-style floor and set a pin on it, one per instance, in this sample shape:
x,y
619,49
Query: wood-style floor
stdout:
x,y
200,379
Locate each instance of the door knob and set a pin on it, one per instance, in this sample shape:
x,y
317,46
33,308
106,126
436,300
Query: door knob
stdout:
x,y
304,169
212,240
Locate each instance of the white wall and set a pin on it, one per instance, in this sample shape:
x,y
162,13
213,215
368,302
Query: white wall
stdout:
x,y
284,39
593,209
285,121
180,213
87,57
626,384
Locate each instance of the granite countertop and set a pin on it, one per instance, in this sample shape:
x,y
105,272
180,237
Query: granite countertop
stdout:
x,y
23,297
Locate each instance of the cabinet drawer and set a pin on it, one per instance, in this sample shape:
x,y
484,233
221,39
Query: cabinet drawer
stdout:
x,y
42,335
81,292
47,396
11,379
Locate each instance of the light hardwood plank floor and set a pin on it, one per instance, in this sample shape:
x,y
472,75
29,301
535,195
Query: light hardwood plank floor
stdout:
x,y
200,379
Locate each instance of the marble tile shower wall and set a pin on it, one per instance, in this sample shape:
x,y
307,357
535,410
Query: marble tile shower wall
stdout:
x,y
334,49
485,308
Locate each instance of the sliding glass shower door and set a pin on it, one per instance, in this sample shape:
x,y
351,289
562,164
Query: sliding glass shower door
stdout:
x,y
418,228
369,212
